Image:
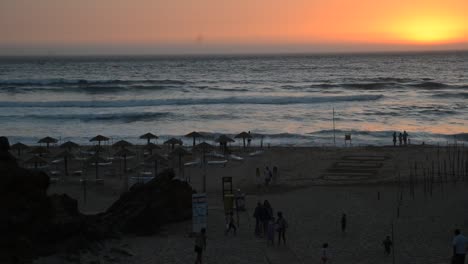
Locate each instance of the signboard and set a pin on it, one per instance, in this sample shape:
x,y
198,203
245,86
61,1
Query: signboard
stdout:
x,y
199,211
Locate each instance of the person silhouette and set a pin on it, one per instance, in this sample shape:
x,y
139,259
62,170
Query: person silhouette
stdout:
x,y
394,139
405,137
400,138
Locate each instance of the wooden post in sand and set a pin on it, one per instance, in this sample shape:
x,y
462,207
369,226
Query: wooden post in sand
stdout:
x,y
334,136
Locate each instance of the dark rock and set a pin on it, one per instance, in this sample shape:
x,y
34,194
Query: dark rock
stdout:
x,y
146,207
34,224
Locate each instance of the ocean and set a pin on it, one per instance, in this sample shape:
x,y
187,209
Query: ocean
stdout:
x,y
289,99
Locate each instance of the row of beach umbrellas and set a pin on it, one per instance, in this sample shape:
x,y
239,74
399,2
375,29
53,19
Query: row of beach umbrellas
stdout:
x,y
122,143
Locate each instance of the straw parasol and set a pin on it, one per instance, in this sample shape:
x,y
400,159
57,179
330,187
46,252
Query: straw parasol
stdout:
x,y
155,158
36,160
243,135
19,146
223,140
39,151
173,141
95,159
194,135
99,138
66,154
122,144
69,145
47,141
204,148
124,153
150,146
180,152
148,136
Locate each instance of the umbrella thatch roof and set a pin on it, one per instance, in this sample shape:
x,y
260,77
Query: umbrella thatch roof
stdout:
x,y
69,145
149,136
64,154
151,146
19,145
173,141
124,152
194,134
203,147
243,134
122,144
36,160
154,157
224,139
39,150
99,138
47,140
179,152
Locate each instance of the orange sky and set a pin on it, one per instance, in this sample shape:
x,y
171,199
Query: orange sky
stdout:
x,y
188,24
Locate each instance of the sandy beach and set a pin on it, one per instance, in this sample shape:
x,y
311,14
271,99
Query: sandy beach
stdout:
x,y
312,191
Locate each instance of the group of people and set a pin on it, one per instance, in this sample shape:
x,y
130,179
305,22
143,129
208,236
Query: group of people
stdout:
x,y
266,225
403,138
269,177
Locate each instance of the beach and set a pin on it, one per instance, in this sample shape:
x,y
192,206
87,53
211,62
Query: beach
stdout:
x,y
312,200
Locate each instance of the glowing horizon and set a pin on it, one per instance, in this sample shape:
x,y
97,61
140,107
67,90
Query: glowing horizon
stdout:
x,y
377,25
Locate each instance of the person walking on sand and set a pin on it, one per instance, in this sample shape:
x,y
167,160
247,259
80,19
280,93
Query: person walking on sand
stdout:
x,y
388,244
459,243
275,175
343,223
200,245
258,179
266,175
258,214
230,225
394,139
281,226
405,137
325,255
271,231
400,138
267,215
249,140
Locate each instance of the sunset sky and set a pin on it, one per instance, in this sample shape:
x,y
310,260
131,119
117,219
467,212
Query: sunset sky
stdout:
x,y
204,26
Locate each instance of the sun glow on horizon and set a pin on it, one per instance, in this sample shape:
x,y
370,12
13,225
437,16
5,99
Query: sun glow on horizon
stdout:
x,y
428,30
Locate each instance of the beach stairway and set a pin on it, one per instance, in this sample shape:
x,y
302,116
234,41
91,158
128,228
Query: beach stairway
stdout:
x,y
356,168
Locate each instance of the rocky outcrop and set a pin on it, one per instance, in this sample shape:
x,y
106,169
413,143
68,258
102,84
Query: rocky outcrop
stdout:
x,y
35,224
146,207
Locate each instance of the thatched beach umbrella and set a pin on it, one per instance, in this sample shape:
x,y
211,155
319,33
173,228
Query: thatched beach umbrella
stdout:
x,y
18,147
36,160
243,135
223,140
69,145
99,138
122,144
150,146
39,151
66,155
194,135
124,153
172,142
148,136
47,141
180,152
155,158
204,148
95,160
